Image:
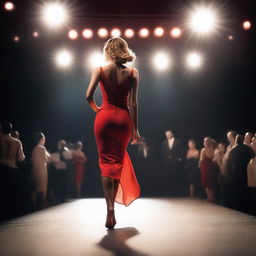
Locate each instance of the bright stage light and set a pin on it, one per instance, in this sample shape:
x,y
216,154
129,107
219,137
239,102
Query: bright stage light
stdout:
x,y
247,25
175,32
16,39
115,32
161,61
103,32
143,32
9,6
63,58
129,33
73,34
231,37
194,60
96,59
159,32
35,34
203,20
87,33
54,14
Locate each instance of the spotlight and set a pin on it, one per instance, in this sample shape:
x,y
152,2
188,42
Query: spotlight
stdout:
x,y
87,33
54,14
203,20
129,33
247,25
175,32
161,61
72,34
96,59
159,32
115,32
63,58
35,34
16,39
9,6
231,37
103,32
194,60
143,32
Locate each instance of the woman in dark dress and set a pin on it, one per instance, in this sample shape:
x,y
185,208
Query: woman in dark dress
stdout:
x,y
191,167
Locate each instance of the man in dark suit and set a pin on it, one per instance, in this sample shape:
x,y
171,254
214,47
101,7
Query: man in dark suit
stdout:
x,y
237,162
172,156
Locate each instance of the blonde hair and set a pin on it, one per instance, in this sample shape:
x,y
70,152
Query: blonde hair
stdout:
x,y
116,50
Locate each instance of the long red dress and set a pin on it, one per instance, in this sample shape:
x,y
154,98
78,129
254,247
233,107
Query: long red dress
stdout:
x,y
112,130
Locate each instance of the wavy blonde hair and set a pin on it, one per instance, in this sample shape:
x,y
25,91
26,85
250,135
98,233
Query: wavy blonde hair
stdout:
x,y
116,50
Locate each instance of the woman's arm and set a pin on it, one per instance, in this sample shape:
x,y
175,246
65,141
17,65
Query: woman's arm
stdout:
x,y
201,156
95,78
133,106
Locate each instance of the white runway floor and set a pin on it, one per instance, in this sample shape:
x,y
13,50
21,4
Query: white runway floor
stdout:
x,y
148,227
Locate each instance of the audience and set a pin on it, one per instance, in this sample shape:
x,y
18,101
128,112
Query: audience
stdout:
x,y
61,174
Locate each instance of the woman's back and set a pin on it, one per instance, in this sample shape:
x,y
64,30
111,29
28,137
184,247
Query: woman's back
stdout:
x,y
116,83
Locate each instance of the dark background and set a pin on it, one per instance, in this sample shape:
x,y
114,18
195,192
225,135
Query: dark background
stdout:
x,y
37,96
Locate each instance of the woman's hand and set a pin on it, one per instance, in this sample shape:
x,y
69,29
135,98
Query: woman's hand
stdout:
x,y
135,138
98,109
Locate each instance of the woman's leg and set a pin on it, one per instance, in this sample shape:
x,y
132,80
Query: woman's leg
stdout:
x,y
110,187
191,190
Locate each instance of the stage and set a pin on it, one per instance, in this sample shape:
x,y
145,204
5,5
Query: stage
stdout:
x,y
157,227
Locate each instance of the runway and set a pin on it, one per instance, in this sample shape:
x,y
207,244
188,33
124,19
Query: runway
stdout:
x,y
148,227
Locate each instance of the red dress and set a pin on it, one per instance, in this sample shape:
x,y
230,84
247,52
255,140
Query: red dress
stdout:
x,y
208,173
113,130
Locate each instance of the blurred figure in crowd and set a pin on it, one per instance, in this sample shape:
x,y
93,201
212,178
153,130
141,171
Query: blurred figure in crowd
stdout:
x,y
219,159
11,154
208,168
39,159
248,138
231,136
61,174
239,157
191,167
251,179
172,156
79,159
15,134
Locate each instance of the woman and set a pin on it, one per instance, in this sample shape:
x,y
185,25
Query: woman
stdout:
x,y
39,159
191,166
116,122
79,159
208,168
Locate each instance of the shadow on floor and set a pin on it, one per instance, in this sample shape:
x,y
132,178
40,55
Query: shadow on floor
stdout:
x,y
115,241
